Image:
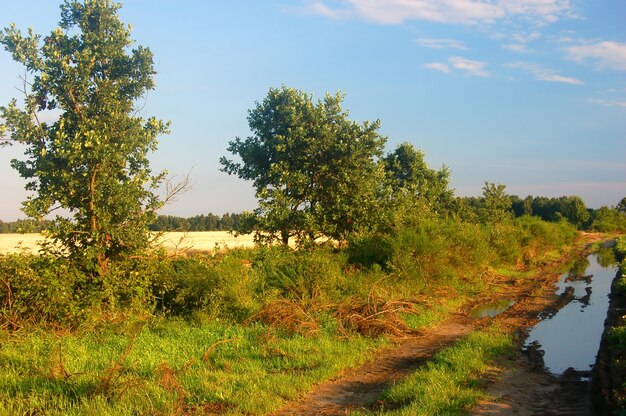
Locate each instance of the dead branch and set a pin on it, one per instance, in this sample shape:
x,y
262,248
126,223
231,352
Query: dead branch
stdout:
x,y
174,188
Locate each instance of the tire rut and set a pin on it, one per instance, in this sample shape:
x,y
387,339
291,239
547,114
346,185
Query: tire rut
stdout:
x,y
361,388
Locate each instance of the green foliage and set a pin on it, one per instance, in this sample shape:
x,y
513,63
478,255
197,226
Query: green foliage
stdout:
x,y
370,249
309,277
570,208
608,220
415,188
313,169
496,204
208,222
221,287
92,161
54,291
621,206
24,226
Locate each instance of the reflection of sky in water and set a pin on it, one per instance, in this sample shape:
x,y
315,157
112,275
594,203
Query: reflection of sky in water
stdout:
x,y
571,338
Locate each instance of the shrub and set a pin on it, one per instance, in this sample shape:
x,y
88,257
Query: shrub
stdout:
x,y
307,276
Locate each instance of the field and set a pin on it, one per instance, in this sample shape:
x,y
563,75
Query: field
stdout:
x,y
172,241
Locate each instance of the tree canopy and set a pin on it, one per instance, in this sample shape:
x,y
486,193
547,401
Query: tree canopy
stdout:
x,y
314,170
416,188
92,161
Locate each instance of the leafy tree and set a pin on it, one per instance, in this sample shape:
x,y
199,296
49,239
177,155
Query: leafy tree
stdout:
x,y
496,204
92,161
621,206
575,211
314,170
416,187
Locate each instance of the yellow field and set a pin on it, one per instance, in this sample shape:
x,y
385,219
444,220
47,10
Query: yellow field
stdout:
x,y
172,242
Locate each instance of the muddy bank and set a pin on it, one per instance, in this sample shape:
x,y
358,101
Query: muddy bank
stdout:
x,y
608,386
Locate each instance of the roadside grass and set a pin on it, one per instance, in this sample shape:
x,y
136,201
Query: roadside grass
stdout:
x,y
169,366
451,382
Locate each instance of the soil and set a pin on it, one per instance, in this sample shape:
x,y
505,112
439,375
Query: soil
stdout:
x,y
524,387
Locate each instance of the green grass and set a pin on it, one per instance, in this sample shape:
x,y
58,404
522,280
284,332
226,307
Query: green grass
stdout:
x,y
169,366
450,383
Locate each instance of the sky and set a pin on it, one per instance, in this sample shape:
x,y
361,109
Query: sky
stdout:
x,y
527,93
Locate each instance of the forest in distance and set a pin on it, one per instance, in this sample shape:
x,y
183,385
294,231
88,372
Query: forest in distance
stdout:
x,y
570,208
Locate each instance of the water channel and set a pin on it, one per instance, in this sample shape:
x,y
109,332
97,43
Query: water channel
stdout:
x,y
570,337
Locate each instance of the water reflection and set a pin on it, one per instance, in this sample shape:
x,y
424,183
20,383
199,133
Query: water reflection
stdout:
x,y
570,337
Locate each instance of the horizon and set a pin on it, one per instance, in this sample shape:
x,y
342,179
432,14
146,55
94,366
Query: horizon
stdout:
x,y
530,95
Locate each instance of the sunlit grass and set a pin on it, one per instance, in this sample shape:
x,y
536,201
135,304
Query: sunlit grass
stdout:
x,y
450,383
169,365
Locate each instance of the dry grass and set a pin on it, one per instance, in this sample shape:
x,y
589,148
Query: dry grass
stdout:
x,y
178,242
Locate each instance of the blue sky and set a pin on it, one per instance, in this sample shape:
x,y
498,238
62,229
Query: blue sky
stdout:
x,y
531,94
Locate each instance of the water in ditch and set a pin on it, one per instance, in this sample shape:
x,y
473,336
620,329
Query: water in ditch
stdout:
x,y
569,338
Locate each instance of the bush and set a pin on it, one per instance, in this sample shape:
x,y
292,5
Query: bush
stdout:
x,y
219,287
370,250
306,276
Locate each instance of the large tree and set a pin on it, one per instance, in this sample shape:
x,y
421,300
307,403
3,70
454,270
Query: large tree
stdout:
x,y
314,170
92,161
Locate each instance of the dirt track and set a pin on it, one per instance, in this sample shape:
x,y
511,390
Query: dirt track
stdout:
x,y
523,388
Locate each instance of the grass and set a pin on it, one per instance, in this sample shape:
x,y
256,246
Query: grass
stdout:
x,y
451,383
168,366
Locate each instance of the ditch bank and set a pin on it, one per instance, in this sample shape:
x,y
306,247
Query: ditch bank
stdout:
x,y
609,378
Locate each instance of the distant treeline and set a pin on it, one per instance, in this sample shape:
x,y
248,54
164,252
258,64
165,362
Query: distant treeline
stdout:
x,y
24,226
208,222
569,208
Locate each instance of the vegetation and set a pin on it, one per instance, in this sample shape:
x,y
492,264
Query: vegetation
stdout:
x,y
615,381
450,383
92,161
110,325
208,222
264,323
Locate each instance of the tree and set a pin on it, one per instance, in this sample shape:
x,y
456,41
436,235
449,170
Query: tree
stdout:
x,y
496,204
621,206
414,186
92,161
574,210
314,170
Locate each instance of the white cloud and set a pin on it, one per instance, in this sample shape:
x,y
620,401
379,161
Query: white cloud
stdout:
x,y
605,54
323,10
438,66
473,67
467,12
438,43
544,74
608,103
518,47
